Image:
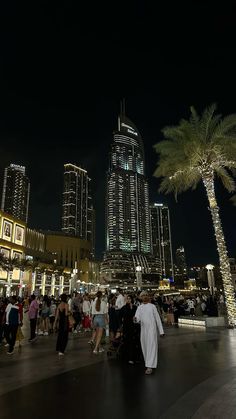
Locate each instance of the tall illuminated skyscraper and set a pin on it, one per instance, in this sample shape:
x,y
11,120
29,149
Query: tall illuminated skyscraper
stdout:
x,y
161,238
128,219
16,190
181,260
181,271
77,205
128,230
93,230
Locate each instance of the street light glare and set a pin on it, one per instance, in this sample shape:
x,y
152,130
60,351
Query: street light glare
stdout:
x,y
209,266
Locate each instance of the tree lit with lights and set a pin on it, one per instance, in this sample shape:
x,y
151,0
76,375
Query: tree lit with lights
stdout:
x,y
202,149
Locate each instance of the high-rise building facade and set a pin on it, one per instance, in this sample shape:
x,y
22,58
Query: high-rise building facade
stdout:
x,y
161,238
128,219
181,272
16,190
128,229
93,231
181,260
77,203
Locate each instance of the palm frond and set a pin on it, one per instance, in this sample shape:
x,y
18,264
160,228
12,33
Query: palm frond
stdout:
x,y
226,127
180,182
233,200
207,120
226,179
205,141
194,118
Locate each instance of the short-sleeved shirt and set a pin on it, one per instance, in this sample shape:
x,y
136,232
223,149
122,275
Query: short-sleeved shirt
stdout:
x,y
103,308
33,309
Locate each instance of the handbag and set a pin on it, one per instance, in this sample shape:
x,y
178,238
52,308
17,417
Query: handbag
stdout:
x,y
86,322
19,334
71,321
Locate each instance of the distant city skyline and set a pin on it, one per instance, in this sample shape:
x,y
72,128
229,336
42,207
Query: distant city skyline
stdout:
x,y
58,106
41,218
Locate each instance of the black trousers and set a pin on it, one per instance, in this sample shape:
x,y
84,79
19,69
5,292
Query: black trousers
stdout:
x,y
119,318
62,340
10,334
1,332
77,318
33,323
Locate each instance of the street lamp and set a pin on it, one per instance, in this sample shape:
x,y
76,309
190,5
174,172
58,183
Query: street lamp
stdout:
x,y
139,276
210,277
73,279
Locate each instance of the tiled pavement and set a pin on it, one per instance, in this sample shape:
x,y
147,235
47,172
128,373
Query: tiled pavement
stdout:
x,y
195,378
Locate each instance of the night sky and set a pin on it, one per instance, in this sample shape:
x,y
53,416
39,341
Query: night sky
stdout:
x,y
65,68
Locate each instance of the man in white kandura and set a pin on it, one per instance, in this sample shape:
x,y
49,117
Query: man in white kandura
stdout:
x,y
148,316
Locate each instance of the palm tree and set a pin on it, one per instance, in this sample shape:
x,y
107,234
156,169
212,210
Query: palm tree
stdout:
x,y
3,261
25,265
202,149
9,264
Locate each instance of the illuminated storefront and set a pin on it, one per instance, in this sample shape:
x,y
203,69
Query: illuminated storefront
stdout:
x,y
41,262
12,245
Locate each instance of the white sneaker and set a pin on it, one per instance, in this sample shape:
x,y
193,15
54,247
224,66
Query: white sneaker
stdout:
x,y
75,331
101,350
40,333
45,333
60,354
6,345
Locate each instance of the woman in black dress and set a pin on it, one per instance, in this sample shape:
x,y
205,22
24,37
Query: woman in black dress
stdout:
x,y
113,320
131,330
63,327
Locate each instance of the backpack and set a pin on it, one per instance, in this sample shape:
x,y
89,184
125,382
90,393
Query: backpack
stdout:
x,y
13,317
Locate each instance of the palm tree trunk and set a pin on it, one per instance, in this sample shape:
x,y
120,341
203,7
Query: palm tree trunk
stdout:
x,y
208,180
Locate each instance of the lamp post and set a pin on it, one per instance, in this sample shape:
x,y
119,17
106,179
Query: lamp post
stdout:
x,y
73,279
21,283
210,277
61,284
139,276
9,282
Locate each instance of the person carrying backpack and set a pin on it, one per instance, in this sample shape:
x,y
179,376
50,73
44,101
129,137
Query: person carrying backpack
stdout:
x,y
12,323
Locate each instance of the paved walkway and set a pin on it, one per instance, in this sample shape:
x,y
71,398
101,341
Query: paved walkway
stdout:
x,y
195,378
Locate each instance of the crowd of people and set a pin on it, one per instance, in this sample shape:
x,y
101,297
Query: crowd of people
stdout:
x,y
132,321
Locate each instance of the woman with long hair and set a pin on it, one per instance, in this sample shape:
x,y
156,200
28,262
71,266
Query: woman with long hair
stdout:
x,y
63,328
113,318
45,311
100,319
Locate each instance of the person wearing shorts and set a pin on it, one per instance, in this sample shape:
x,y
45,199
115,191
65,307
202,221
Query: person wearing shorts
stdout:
x,y
100,320
45,315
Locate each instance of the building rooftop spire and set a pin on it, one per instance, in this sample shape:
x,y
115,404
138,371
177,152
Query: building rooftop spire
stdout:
x,y
122,107
122,113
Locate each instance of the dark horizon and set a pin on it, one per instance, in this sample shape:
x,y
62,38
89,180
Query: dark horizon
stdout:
x,y
65,71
